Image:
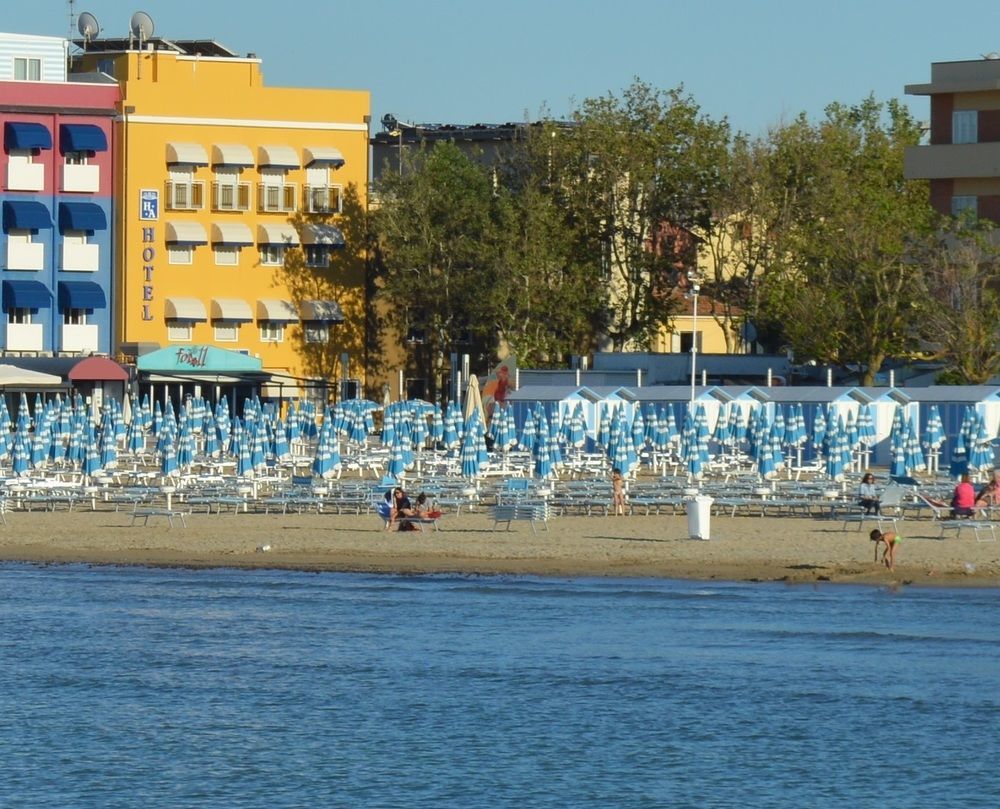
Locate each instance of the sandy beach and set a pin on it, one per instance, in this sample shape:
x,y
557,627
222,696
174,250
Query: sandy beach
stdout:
x,y
741,548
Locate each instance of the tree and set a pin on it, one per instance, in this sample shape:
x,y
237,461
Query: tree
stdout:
x,y
632,175
960,319
844,288
435,236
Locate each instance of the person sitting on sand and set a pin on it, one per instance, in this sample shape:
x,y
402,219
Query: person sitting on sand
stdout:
x,y
989,495
401,507
891,540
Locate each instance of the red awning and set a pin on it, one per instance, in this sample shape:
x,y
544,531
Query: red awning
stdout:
x,y
97,369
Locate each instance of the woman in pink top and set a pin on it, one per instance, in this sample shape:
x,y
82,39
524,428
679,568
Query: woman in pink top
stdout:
x,y
964,500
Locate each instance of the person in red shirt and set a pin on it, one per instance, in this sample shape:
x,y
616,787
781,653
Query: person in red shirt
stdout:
x,y
963,501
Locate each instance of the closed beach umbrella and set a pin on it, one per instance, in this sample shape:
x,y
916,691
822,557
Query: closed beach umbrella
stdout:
x,y
604,427
981,454
934,429
108,445
819,430
168,454
282,448
92,456
21,463
638,430
185,445
543,461
529,433
959,458
914,454
834,459
469,453
210,432
437,426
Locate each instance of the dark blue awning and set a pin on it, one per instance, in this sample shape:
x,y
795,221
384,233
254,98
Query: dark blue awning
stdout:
x,y
26,136
81,216
26,295
25,216
82,138
81,295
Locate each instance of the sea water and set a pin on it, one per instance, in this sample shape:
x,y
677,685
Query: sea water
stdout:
x,y
223,688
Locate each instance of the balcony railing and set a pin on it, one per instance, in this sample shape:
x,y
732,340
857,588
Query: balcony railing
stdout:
x,y
83,178
25,255
323,198
275,198
185,196
80,257
230,196
80,338
24,336
25,176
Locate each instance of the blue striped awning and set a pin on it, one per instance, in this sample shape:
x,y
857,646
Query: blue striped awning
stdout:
x,y
82,138
26,215
81,216
81,295
24,135
26,295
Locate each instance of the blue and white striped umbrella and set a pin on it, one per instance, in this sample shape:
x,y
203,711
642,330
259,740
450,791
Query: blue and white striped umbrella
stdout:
x,y
243,440
981,453
168,454
834,458
21,463
915,461
212,447
437,426
638,431
897,448
819,430
108,445
604,427
322,465
282,447
529,433
866,426
689,447
663,439
397,462
934,435
469,453
185,445
543,461
959,457
92,456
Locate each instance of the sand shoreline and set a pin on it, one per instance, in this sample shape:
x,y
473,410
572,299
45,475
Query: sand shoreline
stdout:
x,y
786,549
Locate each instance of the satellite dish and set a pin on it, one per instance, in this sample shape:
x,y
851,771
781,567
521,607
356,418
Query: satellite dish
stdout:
x,y
88,26
141,25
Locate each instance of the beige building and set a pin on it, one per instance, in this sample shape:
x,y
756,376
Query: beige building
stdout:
x,y
962,160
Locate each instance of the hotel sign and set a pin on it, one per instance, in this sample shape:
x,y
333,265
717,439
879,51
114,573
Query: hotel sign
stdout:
x,y
149,205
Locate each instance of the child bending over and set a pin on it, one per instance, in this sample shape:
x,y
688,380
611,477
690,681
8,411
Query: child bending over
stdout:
x,y
891,540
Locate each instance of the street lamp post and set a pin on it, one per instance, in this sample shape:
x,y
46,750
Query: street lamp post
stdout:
x,y
694,279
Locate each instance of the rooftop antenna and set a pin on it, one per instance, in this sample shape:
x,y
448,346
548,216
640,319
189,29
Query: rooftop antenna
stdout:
x,y
141,27
71,15
88,27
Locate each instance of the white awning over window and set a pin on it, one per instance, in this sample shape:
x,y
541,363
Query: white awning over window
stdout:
x,y
322,234
193,154
231,309
231,154
282,156
187,232
277,310
327,155
277,234
231,233
325,311
184,309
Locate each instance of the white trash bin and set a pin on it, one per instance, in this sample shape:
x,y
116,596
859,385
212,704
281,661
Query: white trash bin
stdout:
x,y
699,511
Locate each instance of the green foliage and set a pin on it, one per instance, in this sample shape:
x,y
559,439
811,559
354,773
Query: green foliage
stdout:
x,y
842,284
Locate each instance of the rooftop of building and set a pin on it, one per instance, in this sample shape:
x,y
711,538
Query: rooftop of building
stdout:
x,y
393,129
184,47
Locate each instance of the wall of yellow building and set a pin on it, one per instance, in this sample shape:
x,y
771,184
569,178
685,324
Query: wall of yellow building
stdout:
x,y
171,98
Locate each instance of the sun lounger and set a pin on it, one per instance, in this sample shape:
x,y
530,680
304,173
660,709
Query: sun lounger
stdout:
x,y
532,512
170,514
980,527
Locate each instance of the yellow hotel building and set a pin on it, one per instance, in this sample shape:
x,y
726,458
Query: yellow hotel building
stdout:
x,y
240,210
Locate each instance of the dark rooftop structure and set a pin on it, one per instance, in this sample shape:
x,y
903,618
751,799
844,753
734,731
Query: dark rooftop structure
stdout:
x,y
186,47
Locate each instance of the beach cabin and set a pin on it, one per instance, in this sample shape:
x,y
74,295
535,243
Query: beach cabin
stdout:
x,y
555,399
884,404
838,401
713,398
952,401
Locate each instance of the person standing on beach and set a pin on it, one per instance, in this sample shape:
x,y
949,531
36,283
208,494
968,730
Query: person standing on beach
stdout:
x,y
891,540
618,492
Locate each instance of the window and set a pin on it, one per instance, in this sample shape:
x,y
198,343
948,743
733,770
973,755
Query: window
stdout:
x,y
272,254
21,316
228,193
226,255
75,317
964,126
961,204
180,330
271,331
316,332
75,158
317,255
227,331
27,69
184,193
685,345
275,195
180,253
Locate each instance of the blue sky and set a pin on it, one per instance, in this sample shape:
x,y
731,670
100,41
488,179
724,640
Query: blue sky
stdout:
x,y
450,61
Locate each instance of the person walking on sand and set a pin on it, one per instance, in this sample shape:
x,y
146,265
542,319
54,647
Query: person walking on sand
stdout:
x,y
618,492
891,540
